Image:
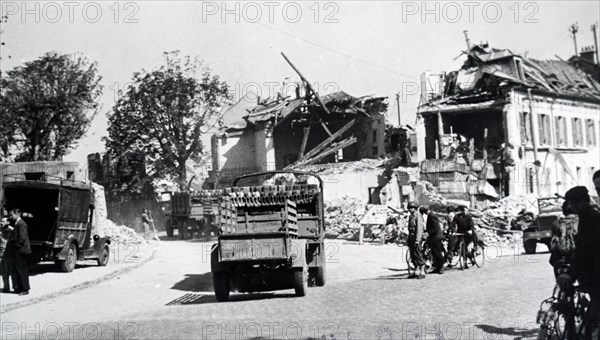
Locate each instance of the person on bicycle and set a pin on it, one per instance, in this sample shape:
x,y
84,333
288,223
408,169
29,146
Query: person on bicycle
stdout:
x,y
562,243
435,237
416,226
586,257
462,224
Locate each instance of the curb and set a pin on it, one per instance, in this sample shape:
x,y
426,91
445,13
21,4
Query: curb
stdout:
x,y
83,285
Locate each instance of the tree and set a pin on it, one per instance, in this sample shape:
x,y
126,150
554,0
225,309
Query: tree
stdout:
x,y
47,105
161,116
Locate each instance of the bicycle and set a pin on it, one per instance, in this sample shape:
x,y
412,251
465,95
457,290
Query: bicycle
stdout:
x,y
426,255
564,313
474,252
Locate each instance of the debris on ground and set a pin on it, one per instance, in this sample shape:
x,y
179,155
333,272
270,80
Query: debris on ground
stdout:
x,y
120,233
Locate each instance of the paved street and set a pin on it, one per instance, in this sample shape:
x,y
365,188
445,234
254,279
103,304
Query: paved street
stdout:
x,y
367,295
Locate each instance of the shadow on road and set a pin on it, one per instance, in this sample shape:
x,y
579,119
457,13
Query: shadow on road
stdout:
x,y
50,267
518,334
195,283
199,299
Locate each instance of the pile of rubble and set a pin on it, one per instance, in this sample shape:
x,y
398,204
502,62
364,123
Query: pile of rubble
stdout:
x,y
120,233
106,227
500,214
342,217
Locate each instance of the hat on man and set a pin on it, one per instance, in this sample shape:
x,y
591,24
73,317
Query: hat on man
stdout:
x,y
412,205
577,193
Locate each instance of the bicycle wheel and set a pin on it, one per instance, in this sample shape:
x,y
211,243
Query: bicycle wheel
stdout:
x,y
477,255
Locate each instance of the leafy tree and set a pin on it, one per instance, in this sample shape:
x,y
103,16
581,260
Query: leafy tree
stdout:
x,y
161,116
47,105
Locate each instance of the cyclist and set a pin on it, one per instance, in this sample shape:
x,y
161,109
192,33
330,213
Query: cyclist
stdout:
x,y
434,239
463,224
586,258
562,244
416,226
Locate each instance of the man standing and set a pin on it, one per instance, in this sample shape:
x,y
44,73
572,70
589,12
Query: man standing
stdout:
x,y
416,226
434,239
5,231
19,250
586,256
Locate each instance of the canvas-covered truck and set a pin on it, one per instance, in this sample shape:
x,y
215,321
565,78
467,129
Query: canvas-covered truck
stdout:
x,y
271,234
60,217
540,230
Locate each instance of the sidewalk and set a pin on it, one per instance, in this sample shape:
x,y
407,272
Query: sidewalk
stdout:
x,y
47,281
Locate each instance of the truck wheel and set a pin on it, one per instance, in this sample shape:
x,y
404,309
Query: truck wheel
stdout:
x,y
169,228
529,246
103,257
300,281
221,286
320,277
67,265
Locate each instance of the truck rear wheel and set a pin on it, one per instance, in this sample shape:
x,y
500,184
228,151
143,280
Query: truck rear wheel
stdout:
x,y
530,246
300,281
67,265
221,286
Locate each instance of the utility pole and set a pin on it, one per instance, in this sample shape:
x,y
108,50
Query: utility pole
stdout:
x,y
574,29
398,104
594,30
467,39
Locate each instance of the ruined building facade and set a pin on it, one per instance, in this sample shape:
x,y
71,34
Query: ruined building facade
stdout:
x,y
523,125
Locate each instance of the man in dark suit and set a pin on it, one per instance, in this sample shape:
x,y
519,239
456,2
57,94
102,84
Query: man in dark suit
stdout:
x,y
18,245
435,236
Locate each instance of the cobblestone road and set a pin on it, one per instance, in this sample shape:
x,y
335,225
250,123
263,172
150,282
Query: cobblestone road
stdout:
x,y
368,296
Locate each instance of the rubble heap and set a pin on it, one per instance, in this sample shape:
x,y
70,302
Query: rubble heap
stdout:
x,y
342,217
499,214
120,233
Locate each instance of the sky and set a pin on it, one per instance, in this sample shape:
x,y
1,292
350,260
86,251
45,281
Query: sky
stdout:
x,y
361,47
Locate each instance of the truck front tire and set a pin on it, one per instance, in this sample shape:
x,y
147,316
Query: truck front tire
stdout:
x,y
530,246
320,276
103,257
221,286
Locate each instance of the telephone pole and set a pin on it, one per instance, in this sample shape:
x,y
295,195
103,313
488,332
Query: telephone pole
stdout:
x,y
594,30
398,105
574,29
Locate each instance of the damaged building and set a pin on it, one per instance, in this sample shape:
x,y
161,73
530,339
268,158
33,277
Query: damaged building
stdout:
x,y
515,124
297,130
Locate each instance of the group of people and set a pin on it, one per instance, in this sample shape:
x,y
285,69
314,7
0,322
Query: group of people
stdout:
x,y
575,250
14,250
425,229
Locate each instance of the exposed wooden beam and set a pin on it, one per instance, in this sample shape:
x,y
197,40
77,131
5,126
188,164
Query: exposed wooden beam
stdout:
x,y
308,85
328,141
333,148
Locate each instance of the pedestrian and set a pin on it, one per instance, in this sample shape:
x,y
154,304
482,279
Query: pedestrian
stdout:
x,y
435,238
18,245
5,231
586,257
451,211
146,220
416,227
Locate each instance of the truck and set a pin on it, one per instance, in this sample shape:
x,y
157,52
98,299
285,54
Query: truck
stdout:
x,y
271,234
540,230
60,217
190,213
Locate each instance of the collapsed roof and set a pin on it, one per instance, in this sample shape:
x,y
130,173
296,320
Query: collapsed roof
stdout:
x,y
488,72
278,109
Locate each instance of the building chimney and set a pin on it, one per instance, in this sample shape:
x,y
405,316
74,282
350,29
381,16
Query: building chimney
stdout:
x,y
588,53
